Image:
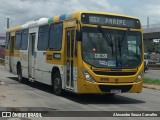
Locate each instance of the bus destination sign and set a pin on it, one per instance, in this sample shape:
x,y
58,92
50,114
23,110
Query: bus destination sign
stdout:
x,y
114,21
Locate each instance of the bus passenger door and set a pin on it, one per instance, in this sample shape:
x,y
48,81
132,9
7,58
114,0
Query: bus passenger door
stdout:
x,y
32,37
71,60
11,58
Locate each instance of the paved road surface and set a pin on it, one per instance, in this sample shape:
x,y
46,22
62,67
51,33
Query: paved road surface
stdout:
x,y
155,74
15,94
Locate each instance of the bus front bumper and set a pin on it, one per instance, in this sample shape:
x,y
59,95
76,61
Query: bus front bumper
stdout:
x,y
102,88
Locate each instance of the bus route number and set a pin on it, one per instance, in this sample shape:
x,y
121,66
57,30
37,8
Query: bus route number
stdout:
x,y
93,19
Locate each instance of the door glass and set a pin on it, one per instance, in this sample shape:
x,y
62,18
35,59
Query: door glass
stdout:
x,y
72,42
33,41
68,44
72,74
68,72
70,55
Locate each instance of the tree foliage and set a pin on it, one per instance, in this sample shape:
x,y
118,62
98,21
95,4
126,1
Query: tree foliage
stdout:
x,y
154,47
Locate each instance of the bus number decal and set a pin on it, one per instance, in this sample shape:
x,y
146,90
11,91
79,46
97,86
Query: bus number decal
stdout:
x,y
100,56
94,19
49,57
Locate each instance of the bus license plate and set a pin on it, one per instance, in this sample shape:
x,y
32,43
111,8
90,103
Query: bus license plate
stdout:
x,y
116,91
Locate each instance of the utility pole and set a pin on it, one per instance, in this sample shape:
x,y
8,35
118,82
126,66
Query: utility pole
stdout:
x,y
7,23
147,22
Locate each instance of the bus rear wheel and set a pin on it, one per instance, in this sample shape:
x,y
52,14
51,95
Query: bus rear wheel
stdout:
x,y
57,84
19,73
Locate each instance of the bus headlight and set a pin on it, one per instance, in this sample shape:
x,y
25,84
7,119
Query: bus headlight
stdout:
x,y
87,76
139,77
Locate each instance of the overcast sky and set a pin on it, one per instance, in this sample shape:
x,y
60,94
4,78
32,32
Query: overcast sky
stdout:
x,y
21,11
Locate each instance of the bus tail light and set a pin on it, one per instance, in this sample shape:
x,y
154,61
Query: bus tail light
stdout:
x,y
87,76
139,77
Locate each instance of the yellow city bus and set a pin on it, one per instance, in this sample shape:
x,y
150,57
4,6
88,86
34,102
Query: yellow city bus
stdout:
x,y
83,52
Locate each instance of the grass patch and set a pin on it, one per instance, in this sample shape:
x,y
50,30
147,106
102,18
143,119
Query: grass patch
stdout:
x,y
151,81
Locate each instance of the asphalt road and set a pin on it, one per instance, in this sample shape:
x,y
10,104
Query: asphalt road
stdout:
x,y
38,96
155,74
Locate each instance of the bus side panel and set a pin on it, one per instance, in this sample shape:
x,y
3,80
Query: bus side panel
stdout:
x,y
40,67
12,64
16,59
24,62
47,74
43,70
9,54
7,60
44,66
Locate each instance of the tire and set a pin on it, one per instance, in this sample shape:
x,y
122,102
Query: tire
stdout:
x,y
19,73
57,84
110,95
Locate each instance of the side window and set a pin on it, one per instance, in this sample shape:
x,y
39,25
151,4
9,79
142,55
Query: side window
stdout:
x,y
7,40
24,43
68,43
18,40
56,32
43,38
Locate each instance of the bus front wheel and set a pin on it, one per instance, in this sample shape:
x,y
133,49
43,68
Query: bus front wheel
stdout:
x,y
57,84
110,95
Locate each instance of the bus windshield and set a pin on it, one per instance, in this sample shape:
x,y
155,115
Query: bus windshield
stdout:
x,y
98,53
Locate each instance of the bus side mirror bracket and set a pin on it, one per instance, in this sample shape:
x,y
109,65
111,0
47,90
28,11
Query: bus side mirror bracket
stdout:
x,y
78,35
78,32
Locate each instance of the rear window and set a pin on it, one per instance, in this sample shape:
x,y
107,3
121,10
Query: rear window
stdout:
x,y
7,40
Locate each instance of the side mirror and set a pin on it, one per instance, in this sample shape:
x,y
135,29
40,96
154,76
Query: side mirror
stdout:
x,y
78,35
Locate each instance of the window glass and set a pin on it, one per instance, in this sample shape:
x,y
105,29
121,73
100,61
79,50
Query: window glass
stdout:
x,y
7,40
123,53
56,32
18,40
72,42
24,43
68,43
43,38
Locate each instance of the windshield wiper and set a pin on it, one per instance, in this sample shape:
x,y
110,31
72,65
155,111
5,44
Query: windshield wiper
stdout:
x,y
121,41
130,60
106,37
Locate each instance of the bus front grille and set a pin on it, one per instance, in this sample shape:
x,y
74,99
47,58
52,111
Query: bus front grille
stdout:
x,y
115,73
108,88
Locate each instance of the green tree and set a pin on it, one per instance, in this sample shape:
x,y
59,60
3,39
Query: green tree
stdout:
x,y
154,47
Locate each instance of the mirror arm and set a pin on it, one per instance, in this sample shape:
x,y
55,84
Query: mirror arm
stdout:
x,y
78,32
78,23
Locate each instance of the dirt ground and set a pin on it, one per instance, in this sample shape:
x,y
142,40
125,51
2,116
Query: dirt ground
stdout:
x,y
155,87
